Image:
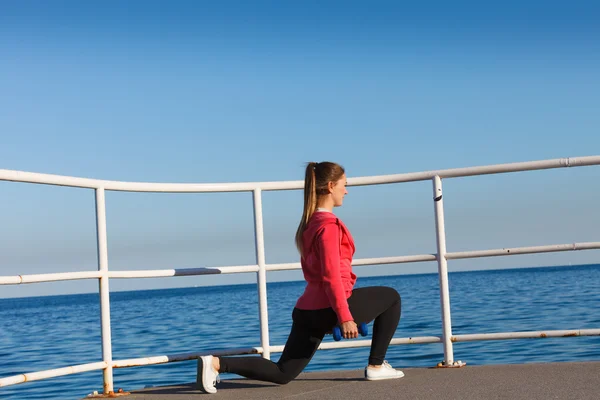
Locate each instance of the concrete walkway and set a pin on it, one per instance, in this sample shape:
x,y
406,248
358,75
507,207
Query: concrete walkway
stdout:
x,y
573,381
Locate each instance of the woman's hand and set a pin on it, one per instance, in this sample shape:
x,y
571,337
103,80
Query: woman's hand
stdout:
x,y
349,330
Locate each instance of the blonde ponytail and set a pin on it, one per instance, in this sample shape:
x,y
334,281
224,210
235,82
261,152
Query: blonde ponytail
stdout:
x,y
310,202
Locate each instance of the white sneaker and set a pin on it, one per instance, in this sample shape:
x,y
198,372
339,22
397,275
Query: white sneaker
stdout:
x,y
208,376
385,372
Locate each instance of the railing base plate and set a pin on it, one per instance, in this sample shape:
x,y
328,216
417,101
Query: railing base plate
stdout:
x,y
455,364
108,395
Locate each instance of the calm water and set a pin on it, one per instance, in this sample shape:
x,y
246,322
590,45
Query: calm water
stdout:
x,y
51,332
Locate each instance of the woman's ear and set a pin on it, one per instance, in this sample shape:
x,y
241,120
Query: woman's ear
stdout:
x,y
330,186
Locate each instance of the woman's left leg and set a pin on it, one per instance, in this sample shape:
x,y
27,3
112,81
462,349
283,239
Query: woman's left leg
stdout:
x,y
383,305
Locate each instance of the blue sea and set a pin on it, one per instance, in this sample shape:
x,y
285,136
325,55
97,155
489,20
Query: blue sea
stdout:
x,y
41,333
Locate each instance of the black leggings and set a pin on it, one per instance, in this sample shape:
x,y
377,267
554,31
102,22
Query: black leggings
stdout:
x,y
378,303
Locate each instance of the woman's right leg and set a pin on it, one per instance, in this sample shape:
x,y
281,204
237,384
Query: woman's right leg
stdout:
x,y
303,341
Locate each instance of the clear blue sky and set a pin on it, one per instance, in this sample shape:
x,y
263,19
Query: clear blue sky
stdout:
x,y
250,91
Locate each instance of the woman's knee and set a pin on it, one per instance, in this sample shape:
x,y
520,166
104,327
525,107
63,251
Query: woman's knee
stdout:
x,y
288,371
392,294
397,296
284,378
284,381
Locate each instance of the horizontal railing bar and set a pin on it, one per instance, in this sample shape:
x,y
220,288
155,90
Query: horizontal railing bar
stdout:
x,y
87,183
12,280
366,343
479,170
51,373
61,276
523,250
57,276
394,260
283,267
59,180
150,273
362,261
135,362
525,335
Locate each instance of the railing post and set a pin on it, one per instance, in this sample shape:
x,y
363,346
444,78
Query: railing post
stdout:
x,y
261,274
443,270
104,292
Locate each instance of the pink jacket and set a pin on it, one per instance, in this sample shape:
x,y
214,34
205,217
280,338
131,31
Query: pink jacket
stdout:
x,y
327,265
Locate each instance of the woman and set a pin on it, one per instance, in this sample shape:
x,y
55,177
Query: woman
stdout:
x,y
329,299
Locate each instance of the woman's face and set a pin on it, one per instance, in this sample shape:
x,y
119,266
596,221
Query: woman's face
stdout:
x,y
338,191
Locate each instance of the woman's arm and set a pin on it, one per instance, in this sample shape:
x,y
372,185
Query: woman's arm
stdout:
x,y
328,243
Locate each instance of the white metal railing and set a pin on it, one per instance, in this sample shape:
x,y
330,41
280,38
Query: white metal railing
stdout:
x,y
261,267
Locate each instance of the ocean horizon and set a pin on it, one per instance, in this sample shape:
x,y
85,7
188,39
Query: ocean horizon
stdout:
x,y
253,284
53,331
